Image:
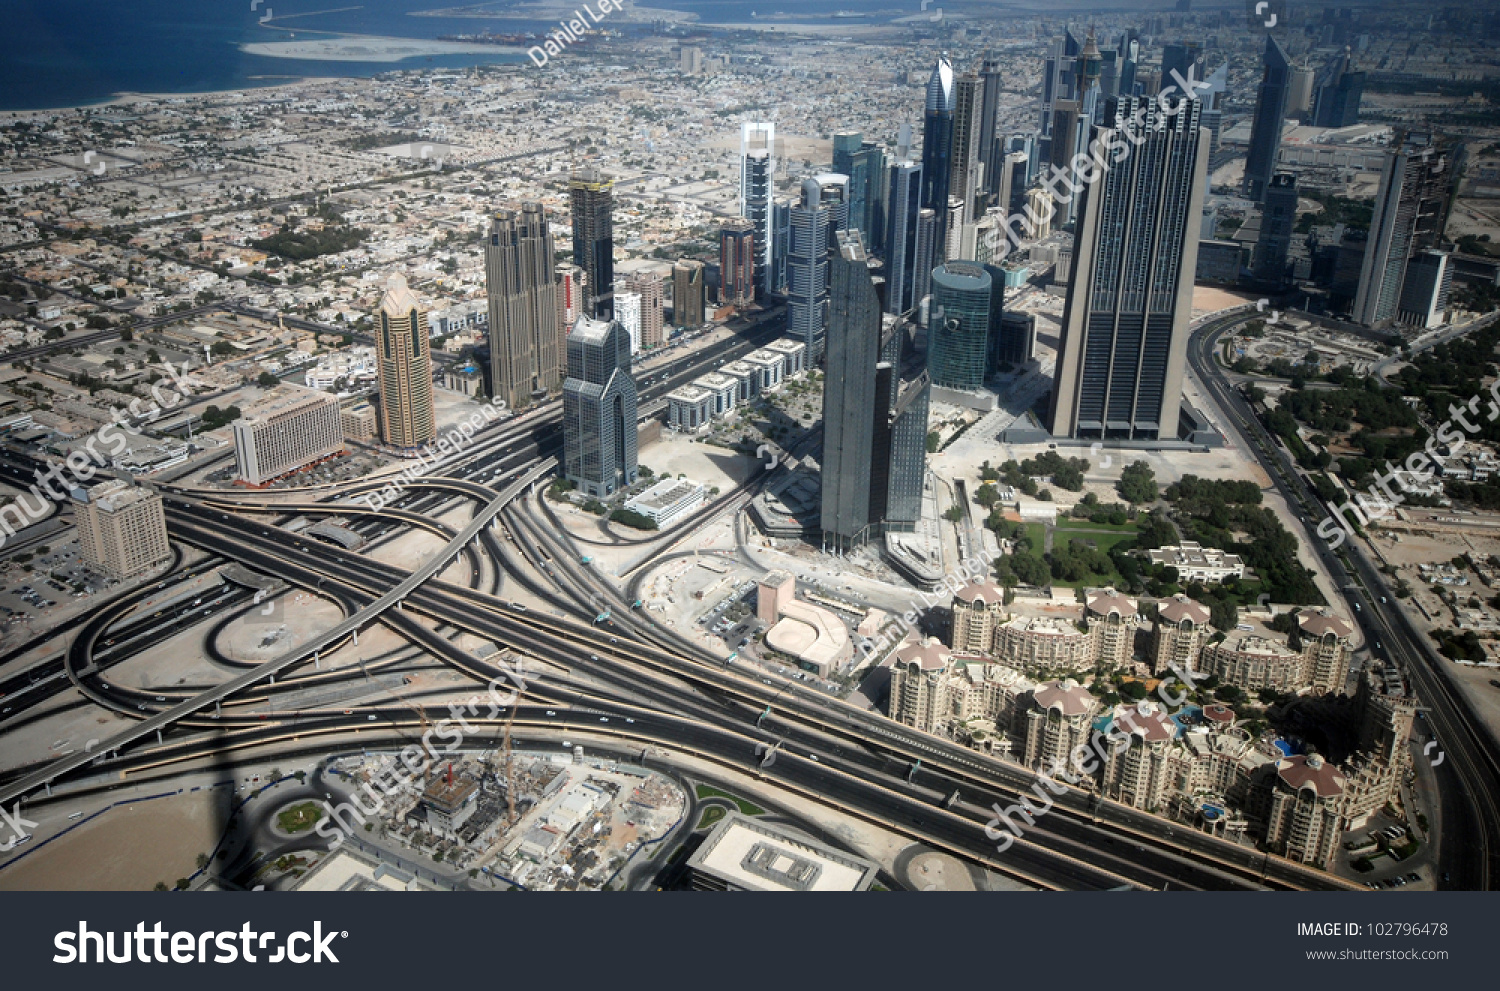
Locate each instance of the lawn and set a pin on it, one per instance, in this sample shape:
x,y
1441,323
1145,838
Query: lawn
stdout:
x,y
748,808
1070,523
711,815
1037,534
1104,541
299,818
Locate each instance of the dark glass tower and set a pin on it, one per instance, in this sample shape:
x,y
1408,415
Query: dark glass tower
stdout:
x,y
599,409
874,431
937,143
1125,322
1338,90
1277,216
902,227
757,164
1270,115
991,151
593,202
823,210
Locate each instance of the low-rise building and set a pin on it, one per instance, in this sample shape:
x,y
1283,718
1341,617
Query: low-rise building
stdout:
x,y
747,854
668,501
359,422
1252,662
1045,642
690,409
1196,563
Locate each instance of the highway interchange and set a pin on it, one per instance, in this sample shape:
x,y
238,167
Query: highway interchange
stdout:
x,y
627,680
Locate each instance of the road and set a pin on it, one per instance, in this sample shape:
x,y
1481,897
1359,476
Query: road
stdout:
x,y
1469,776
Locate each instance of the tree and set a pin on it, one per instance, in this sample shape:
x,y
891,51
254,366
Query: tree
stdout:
x,y
267,380
933,438
987,495
1138,483
953,514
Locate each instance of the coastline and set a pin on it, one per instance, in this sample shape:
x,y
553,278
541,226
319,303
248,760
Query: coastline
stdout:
x,y
370,48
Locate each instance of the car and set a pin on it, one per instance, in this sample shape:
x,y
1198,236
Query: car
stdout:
x,y
604,719
76,815
1414,876
1445,877
629,720
1357,608
348,712
1382,598
551,712
142,707
371,717
1379,645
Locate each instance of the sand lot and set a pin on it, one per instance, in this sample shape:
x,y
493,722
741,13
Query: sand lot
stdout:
x,y
129,848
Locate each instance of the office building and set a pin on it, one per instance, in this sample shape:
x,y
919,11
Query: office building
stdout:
x,y
1015,342
1125,322
964,180
284,432
937,143
688,293
592,200
863,162
1337,92
651,289
822,211
122,529
874,432
903,262
1426,289
757,169
1267,124
781,230
1299,94
747,854
521,279
990,143
958,330
405,354
737,262
1183,57
1410,214
1278,215
599,409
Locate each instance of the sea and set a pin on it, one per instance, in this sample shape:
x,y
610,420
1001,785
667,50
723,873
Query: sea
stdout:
x,y
65,53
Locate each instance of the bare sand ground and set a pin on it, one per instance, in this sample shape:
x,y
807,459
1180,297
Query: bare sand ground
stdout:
x,y
129,848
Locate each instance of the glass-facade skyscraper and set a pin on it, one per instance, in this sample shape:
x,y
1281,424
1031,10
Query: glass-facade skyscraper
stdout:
x,y
599,409
593,202
405,353
1266,125
757,167
1125,322
902,222
823,209
874,431
864,163
937,142
958,329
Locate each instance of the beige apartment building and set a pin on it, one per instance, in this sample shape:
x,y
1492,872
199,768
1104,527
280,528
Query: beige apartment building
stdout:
x,y
404,352
122,529
978,610
1182,628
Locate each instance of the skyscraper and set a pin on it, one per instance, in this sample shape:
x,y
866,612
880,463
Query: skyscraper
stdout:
x,y
593,202
599,409
1125,322
937,142
122,528
991,150
822,210
964,174
1277,216
902,215
874,432
1182,57
781,230
757,168
521,281
405,354
737,262
572,301
1266,125
958,331
688,293
1337,93
648,285
864,163
1411,211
